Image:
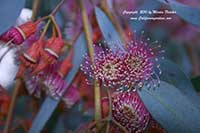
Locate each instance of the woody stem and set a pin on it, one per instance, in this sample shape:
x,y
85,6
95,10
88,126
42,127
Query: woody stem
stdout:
x,y
45,30
35,9
97,93
56,25
12,104
57,7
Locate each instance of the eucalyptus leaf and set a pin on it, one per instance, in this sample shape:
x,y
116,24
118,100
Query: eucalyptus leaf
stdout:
x,y
50,104
107,29
9,12
188,13
171,108
172,74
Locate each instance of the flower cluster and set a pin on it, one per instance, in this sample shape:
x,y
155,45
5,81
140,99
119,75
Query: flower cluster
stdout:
x,y
39,64
141,63
137,66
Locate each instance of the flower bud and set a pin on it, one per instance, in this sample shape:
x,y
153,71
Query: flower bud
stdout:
x,y
54,46
32,54
128,110
19,33
50,53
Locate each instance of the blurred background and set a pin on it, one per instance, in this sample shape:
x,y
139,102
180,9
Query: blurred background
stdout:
x,y
179,38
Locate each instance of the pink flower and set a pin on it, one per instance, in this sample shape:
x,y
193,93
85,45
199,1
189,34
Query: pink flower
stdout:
x,y
109,68
133,68
55,81
129,110
140,61
55,85
34,83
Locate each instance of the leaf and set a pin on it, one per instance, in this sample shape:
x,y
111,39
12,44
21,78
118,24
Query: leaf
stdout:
x,y
196,83
107,29
50,104
9,11
189,14
172,74
171,109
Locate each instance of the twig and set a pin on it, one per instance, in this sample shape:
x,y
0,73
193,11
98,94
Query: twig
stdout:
x,y
45,30
12,104
35,9
57,7
119,125
97,93
109,119
108,127
92,125
56,25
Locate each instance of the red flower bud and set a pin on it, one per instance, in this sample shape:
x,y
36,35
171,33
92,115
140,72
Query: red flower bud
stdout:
x,y
19,33
45,60
33,53
28,28
54,46
14,35
50,53
29,58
